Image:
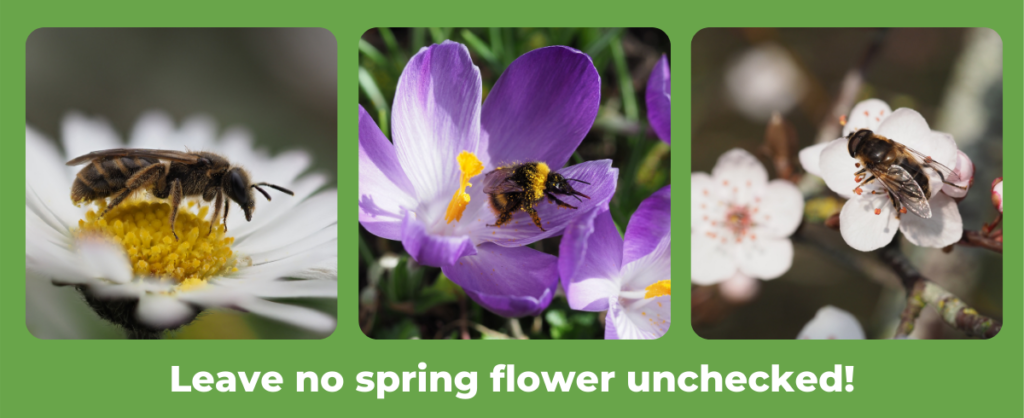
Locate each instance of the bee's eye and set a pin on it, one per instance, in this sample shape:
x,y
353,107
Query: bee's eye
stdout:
x,y
236,189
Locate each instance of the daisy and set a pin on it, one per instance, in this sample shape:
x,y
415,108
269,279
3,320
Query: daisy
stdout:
x,y
741,222
659,100
832,323
868,219
629,277
426,189
134,274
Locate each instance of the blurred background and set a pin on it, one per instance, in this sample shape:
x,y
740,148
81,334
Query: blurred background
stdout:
x,y
281,84
400,299
953,77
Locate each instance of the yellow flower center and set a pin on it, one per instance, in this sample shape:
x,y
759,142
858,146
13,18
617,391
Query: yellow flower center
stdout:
x,y
659,288
142,228
470,167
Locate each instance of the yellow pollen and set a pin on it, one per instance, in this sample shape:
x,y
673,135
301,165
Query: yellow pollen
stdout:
x,y
142,228
470,167
659,288
538,178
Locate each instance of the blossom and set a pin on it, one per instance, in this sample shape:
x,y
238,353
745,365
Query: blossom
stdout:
x,y
997,194
629,277
868,220
764,80
659,100
832,323
420,190
134,274
741,222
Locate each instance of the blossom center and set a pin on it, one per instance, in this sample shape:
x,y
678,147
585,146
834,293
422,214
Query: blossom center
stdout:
x,y
470,166
739,220
142,228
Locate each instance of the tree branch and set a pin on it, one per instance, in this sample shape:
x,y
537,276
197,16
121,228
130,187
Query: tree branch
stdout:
x,y
980,239
921,292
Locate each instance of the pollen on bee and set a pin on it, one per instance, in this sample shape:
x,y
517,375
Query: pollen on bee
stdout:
x,y
149,244
878,211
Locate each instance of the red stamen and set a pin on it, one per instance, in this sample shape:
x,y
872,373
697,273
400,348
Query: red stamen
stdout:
x,y
856,165
842,120
858,191
878,211
902,210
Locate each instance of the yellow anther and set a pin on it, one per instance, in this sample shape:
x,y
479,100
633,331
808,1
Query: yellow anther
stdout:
x,y
143,230
470,167
659,288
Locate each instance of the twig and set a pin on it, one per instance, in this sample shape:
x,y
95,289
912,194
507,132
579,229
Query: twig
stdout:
x,y
516,329
852,82
921,292
980,239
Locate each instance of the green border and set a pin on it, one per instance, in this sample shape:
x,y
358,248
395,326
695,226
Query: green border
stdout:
x,y
959,377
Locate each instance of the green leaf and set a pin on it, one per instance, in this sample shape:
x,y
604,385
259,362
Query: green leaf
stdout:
x,y
372,53
369,87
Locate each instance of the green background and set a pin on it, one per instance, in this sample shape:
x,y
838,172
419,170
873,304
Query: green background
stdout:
x,y
113,378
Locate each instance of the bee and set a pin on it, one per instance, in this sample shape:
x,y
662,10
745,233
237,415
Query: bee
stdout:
x,y
521,186
120,172
900,169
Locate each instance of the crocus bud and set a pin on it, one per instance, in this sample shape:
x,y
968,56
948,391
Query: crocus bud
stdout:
x,y
963,176
997,194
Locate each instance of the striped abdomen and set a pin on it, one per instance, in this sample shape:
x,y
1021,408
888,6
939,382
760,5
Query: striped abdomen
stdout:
x,y
105,176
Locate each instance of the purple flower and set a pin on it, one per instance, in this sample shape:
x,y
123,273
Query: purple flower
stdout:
x,y
659,100
419,191
629,277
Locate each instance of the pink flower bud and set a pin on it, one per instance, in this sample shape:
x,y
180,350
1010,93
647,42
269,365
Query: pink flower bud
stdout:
x,y
997,194
963,176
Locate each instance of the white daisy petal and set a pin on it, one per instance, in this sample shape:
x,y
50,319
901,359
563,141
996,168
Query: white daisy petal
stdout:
x,y
294,315
315,214
162,311
152,130
269,213
326,269
293,289
81,135
944,228
196,133
868,222
105,260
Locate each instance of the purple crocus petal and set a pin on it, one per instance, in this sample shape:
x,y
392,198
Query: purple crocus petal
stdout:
x,y
650,223
510,282
384,190
541,108
659,100
589,260
436,116
432,250
522,231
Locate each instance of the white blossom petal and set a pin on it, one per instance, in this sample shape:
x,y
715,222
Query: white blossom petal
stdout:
x,y
780,210
766,258
909,128
862,227
810,158
838,168
737,174
944,228
832,323
867,114
712,260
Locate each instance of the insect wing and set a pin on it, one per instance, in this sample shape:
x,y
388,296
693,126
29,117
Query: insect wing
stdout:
x,y
177,156
900,183
498,181
946,172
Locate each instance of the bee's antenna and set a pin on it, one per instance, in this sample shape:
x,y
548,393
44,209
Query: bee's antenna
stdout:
x,y
581,181
264,192
278,188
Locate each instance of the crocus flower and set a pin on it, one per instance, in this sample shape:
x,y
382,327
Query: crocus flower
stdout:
x,y
997,194
129,266
741,222
868,219
629,277
764,80
659,100
832,323
426,190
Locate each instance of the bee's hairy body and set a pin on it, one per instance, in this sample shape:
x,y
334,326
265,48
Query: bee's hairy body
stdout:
x,y
105,177
118,173
878,153
521,186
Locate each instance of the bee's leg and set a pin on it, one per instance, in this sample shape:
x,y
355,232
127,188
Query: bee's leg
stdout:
x,y
535,217
560,203
227,204
505,213
866,181
896,204
217,201
139,180
176,196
